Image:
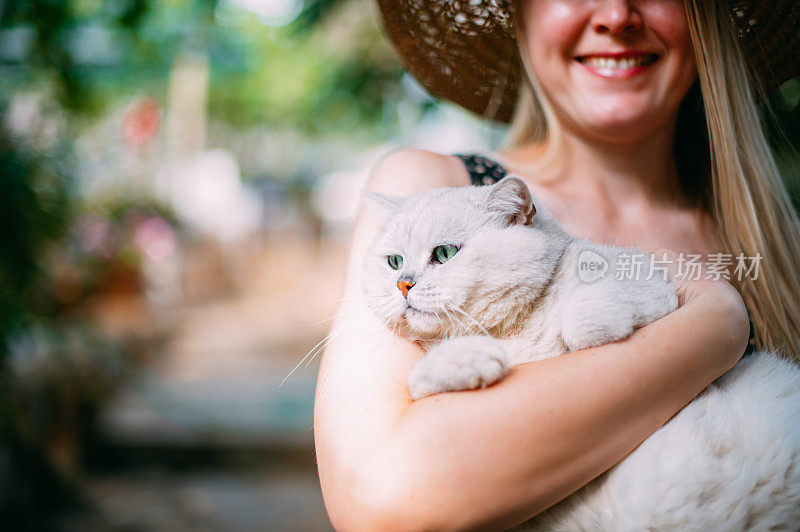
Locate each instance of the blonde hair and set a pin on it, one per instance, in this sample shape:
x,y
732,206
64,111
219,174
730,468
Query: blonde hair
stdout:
x,y
736,179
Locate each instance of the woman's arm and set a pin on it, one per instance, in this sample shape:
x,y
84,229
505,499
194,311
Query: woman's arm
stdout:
x,y
497,456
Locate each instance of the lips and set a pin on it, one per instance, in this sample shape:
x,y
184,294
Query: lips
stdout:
x,y
617,64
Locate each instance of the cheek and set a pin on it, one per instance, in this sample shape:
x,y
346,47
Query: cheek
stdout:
x,y
380,288
667,19
551,27
440,286
466,277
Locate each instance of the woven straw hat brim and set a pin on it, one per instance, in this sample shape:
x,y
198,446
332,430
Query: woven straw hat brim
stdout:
x,y
465,50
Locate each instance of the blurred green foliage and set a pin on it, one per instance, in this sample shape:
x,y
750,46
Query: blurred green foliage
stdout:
x,y
326,71
44,33
34,212
36,207
321,75
783,130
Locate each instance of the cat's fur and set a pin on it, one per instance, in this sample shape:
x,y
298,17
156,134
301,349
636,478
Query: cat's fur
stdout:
x,y
513,293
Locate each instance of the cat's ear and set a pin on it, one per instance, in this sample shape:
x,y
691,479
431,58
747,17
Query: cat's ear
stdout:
x,y
385,205
512,201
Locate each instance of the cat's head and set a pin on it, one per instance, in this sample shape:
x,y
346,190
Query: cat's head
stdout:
x,y
458,260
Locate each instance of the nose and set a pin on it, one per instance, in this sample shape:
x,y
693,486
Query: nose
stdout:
x,y
616,17
404,285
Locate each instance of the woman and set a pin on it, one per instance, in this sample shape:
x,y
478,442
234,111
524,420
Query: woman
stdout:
x,y
608,133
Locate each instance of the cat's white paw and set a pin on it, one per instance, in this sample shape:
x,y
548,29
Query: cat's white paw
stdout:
x,y
464,363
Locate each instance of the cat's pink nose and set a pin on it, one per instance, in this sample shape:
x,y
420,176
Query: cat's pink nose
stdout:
x,y
404,287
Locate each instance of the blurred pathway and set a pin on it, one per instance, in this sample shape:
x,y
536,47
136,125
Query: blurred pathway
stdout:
x,y
215,388
257,499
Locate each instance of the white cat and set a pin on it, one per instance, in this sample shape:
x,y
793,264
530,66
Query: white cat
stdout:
x,y
484,281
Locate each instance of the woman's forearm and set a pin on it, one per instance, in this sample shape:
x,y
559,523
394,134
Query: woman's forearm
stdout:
x,y
582,413
497,456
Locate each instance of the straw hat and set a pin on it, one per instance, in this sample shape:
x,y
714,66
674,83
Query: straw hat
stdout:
x,y
465,50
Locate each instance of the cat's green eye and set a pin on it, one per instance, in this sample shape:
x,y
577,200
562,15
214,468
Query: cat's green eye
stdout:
x,y
444,253
395,261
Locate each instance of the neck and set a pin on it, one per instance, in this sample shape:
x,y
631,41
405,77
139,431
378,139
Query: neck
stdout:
x,y
638,171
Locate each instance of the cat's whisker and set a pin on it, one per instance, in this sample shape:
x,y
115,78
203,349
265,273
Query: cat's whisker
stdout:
x,y
481,327
336,365
342,312
328,319
452,317
328,339
321,342
360,298
455,321
322,347
441,322
331,377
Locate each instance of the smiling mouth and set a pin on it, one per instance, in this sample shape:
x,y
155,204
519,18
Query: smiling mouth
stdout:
x,y
619,65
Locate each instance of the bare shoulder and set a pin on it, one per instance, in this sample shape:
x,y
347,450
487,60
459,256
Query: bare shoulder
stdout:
x,y
404,172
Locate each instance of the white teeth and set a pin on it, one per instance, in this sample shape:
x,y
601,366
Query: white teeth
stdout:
x,y
611,62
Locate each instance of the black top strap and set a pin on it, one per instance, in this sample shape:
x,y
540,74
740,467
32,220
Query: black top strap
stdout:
x,y
482,170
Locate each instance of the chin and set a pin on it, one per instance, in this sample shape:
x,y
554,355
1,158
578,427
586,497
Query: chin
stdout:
x,y
418,325
621,117
623,127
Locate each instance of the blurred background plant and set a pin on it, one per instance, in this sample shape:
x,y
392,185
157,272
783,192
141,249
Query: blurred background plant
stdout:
x,y
177,182
55,366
